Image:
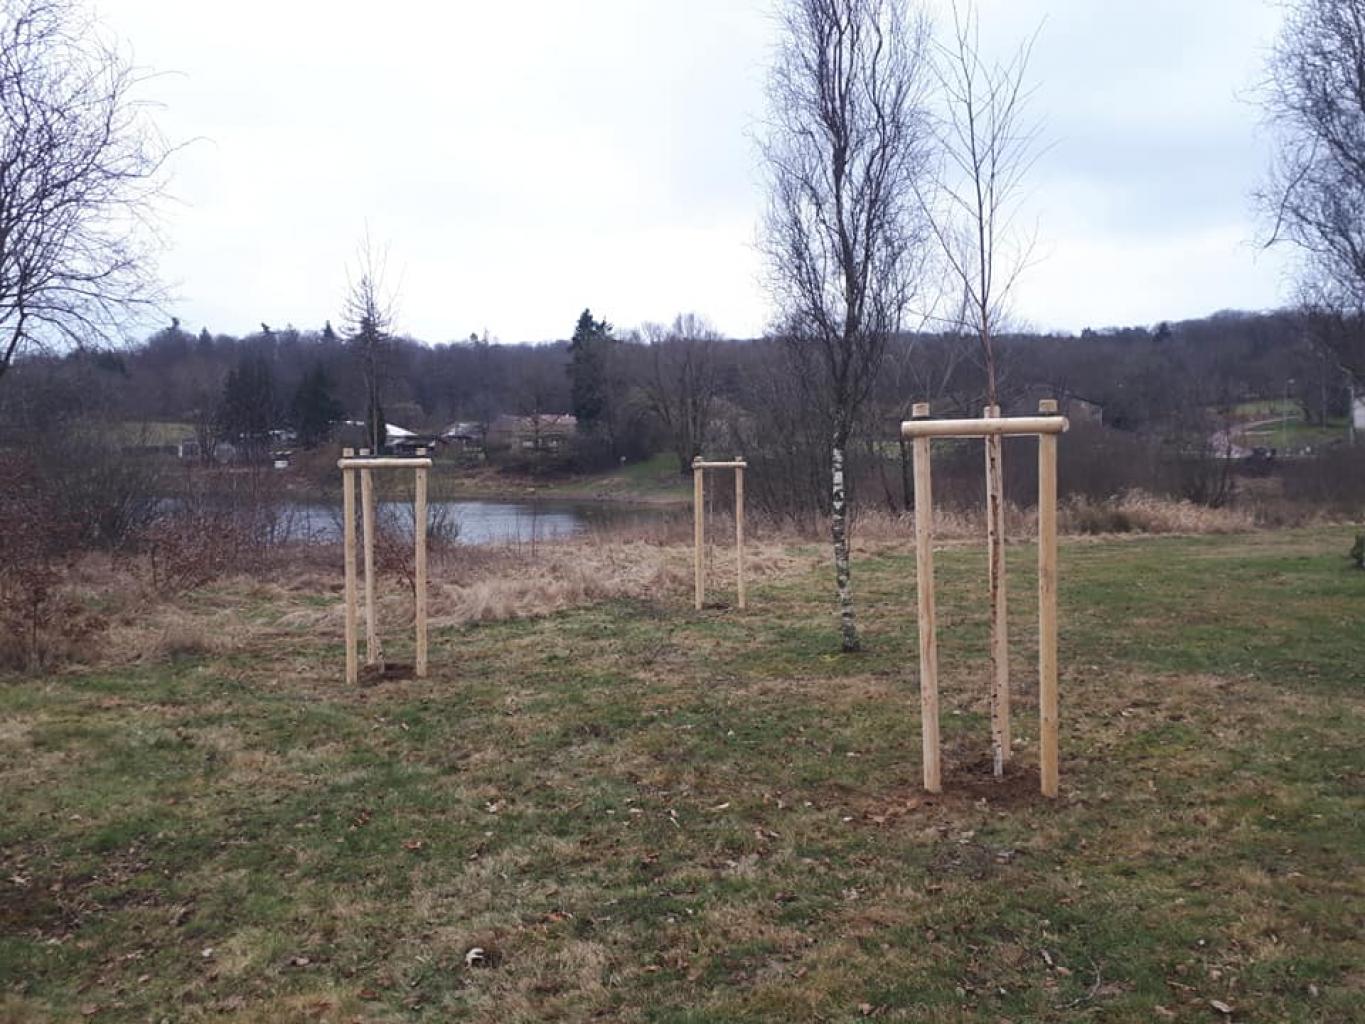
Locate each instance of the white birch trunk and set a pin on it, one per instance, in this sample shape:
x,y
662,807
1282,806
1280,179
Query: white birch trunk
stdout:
x,y
839,530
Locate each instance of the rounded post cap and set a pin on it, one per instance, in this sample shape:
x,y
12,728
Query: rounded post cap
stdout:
x,y
919,411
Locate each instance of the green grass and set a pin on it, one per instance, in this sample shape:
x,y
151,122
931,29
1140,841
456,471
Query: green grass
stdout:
x,y
1263,408
642,813
655,480
153,432
1295,433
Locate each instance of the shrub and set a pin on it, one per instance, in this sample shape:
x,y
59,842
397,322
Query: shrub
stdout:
x,y
37,538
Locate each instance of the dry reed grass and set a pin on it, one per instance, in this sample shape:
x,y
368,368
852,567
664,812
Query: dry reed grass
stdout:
x,y
1138,512
1130,512
135,621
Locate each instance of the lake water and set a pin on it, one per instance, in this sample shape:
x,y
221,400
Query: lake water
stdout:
x,y
476,522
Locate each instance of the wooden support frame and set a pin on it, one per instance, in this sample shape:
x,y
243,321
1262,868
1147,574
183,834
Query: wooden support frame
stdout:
x,y
363,465
992,427
699,468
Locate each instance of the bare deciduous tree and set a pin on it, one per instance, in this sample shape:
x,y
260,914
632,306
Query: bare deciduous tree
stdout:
x,y
846,151
681,381
1314,197
81,165
987,143
368,318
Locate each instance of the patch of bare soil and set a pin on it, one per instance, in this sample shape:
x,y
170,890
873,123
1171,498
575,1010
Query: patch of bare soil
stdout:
x,y
387,672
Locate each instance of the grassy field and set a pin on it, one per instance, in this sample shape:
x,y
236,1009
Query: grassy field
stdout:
x,y
636,812
655,480
1295,433
1280,423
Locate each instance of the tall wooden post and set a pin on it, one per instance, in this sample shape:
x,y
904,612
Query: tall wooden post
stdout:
x,y
995,575
698,531
1047,605
739,527
348,548
373,656
928,639
419,527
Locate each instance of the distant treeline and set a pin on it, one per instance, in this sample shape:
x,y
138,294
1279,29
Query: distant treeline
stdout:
x,y
678,387
1141,375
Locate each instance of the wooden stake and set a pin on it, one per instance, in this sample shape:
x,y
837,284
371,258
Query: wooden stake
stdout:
x,y
698,531
928,640
372,652
739,529
419,513
348,548
995,575
1047,606
1014,426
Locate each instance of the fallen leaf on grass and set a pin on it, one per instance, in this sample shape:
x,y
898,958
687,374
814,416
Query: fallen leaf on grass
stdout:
x,y
1221,1006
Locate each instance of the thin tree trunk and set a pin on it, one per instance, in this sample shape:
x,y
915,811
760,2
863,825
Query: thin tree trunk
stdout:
x,y
839,531
999,635
907,480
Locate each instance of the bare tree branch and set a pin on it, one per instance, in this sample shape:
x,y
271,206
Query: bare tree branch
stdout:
x,y
81,169
1314,195
988,143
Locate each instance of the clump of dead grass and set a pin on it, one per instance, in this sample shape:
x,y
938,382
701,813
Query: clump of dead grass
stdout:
x,y
1139,512
1130,512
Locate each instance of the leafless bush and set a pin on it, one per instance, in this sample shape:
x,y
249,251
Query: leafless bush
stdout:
x,y
1333,482
217,524
106,496
37,619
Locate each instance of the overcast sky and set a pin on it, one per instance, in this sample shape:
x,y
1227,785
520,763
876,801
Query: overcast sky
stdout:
x,y
523,160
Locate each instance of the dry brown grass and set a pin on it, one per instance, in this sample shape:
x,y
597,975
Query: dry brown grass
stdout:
x,y
1133,512
125,618
1138,512
243,614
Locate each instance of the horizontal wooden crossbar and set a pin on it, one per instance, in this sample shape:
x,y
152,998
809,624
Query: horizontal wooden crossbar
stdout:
x,y
985,427
363,462
740,464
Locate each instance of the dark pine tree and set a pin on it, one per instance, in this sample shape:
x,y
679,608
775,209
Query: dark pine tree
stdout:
x,y
315,408
249,409
588,370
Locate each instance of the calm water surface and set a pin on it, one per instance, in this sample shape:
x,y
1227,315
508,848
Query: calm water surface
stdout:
x,y
477,522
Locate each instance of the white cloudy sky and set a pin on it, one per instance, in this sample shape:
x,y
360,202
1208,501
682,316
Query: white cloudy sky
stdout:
x,y
522,160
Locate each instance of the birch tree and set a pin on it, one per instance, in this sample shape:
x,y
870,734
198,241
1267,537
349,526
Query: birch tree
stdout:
x,y
846,152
